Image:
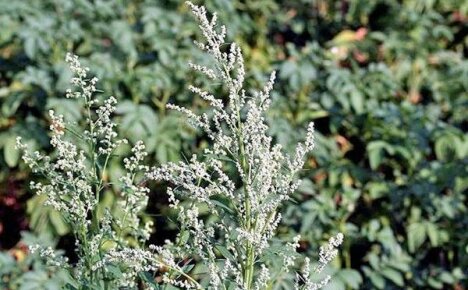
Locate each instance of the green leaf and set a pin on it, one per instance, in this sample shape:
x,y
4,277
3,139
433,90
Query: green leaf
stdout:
x,y
377,189
225,252
377,280
394,276
357,101
149,279
70,109
114,270
11,104
10,153
70,287
434,283
444,148
375,151
416,236
138,120
122,35
351,277
288,68
447,278
432,233
223,205
57,221
375,158
52,284
33,280
44,218
335,284
7,262
30,47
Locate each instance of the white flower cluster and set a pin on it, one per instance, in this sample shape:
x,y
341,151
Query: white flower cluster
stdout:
x,y
76,179
326,255
135,195
288,259
102,127
329,252
50,256
69,189
265,176
133,262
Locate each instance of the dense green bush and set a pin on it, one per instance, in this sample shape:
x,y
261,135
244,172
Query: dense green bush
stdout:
x,y
384,81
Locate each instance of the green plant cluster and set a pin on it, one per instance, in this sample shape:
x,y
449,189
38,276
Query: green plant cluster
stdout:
x,y
22,270
384,80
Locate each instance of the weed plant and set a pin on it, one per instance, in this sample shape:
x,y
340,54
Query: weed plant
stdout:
x,y
243,178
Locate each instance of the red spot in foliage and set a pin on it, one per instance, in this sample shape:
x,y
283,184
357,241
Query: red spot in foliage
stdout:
x,y
457,16
359,56
361,33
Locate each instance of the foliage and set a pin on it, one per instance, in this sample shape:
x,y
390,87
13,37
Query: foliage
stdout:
x,y
384,81
20,270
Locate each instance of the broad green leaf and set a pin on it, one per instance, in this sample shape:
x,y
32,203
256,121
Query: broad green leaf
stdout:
x,y
375,157
352,278
416,236
357,101
59,224
377,280
434,283
393,275
34,280
432,233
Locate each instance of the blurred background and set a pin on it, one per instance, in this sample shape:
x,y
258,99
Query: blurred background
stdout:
x,y
385,82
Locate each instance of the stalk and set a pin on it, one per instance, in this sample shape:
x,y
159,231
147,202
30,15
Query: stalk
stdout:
x,y
249,266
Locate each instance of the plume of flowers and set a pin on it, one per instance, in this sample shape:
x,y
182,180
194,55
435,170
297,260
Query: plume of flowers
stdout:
x,y
75,180
242,179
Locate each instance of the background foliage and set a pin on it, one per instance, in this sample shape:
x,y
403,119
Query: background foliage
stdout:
x,y
384,80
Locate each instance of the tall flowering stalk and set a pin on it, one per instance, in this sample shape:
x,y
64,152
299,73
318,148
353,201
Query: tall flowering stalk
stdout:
x,y
75,182
236,245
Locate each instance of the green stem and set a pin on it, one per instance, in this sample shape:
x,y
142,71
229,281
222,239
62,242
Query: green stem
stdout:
x,y
193,281
249,271
250,262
